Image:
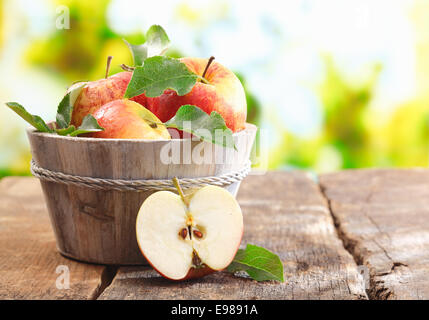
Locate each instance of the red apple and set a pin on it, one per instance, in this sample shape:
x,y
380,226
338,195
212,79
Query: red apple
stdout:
x,y
97,93
126,119
223,93
189,239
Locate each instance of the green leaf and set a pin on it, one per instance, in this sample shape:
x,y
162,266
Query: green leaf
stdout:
x,y
65,131
34,120
65,108
89,124
210,128
259,263
156,44
157,41
139,52
158,74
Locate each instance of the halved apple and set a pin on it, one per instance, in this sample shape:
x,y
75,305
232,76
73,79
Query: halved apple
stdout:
x,y
186,237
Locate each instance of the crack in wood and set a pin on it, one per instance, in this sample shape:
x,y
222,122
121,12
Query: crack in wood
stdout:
x,y
348,243
394,266
107,276
376,290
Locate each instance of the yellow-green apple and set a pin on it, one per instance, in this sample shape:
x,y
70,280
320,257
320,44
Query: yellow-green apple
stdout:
x,y
221,91
189,237
126,119
97,93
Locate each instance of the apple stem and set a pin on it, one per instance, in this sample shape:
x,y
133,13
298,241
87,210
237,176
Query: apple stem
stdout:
x,y
127,68
179,189
203,80
109,60
207,66
154,124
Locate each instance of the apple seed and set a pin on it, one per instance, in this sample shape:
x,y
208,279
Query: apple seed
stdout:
x,y
183,233
198,234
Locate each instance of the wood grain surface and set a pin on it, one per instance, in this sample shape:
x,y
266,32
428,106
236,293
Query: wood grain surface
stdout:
x,y
383,218
381,221
285,213
29,261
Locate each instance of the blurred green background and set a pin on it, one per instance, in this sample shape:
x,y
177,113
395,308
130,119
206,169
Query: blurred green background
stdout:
x,y
332,84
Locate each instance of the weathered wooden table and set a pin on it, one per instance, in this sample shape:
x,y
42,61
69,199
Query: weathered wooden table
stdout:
x,y
360,234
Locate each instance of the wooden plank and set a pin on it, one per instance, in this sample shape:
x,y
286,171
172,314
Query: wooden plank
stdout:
x,y
28,256
286,213
383,219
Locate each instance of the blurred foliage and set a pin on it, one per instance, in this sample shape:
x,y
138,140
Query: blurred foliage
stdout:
x,y
253,105
80,52
345,106
346,136
1,23
407,135
353,134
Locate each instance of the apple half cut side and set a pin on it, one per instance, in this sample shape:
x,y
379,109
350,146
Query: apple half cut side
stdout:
x,y
192,238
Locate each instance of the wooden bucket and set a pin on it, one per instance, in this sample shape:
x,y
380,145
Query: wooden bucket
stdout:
x,y
98,226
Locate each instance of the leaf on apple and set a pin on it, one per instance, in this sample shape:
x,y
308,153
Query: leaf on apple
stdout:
x,y
159,74
65,111
89,124
157,42
34,120
65,131
65,108
211,128
259,263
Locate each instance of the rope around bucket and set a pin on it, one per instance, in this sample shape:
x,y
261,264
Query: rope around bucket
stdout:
x,y
138,185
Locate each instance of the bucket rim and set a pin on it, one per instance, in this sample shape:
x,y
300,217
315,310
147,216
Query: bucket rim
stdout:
x,y
249,128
